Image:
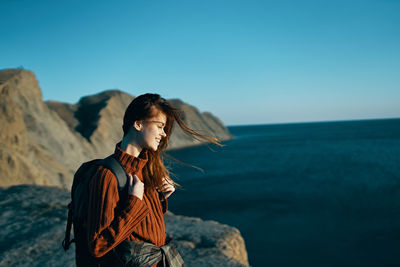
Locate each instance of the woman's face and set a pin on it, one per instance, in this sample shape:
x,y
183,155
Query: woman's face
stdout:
x,y
153,131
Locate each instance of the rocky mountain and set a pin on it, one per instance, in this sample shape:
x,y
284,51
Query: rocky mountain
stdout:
x,y
44,143
32,226
33,137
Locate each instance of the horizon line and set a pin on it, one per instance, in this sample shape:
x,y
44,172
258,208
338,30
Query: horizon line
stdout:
x,y
317,121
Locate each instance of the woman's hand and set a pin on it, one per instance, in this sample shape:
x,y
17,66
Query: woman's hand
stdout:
x,y
168,188
136,187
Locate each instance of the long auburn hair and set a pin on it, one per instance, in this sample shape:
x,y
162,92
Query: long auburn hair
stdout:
x,y
145,107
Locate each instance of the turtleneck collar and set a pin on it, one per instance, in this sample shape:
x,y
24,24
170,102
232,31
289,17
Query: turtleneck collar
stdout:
x,y
131,163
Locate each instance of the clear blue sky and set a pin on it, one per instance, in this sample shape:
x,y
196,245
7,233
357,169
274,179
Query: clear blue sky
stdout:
x,y
248,62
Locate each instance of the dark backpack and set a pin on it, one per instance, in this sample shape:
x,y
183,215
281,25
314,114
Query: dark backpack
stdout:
x,y
78,208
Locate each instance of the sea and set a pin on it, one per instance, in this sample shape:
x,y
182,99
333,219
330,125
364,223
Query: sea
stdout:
x,y
301,194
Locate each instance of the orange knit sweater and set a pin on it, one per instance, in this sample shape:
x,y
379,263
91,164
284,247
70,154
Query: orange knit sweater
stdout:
x,y
109,222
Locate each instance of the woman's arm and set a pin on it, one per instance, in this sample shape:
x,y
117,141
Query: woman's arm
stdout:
x,y
106,229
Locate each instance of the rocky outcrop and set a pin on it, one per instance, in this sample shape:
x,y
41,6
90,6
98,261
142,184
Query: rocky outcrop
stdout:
x,y
32,226
96,118
206,243
45,142
33,137
205,123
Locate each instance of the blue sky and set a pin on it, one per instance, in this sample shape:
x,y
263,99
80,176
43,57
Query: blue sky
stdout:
x,y
247,62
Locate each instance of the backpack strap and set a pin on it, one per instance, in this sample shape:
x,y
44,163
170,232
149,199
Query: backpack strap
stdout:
x,y
67,242
115,166
119,172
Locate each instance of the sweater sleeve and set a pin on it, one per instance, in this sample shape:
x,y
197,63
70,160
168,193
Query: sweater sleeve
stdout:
x,y
108,226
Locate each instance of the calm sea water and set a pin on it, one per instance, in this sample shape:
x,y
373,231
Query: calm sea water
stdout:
x,y
310,194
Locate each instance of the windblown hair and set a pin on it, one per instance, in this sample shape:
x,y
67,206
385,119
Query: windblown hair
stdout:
x,y
147,106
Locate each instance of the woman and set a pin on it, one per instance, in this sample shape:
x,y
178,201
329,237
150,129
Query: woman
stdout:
x,y
138,215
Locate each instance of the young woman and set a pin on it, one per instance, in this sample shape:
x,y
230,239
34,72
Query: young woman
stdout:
x,y
138,215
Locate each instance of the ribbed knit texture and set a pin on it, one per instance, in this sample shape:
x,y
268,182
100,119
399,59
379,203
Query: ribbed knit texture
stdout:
x,y
108,223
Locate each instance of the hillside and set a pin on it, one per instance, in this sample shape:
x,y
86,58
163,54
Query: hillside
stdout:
x,y
43,143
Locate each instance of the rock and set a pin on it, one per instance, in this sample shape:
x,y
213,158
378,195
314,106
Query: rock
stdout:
x,y
204,123
32,227
33,137
206,243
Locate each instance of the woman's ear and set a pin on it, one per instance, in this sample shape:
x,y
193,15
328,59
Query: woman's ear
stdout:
x,y
138,125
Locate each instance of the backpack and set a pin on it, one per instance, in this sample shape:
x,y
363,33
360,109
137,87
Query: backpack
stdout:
x,y
78,208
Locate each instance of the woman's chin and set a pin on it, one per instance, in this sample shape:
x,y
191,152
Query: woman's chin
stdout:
x,y
155,147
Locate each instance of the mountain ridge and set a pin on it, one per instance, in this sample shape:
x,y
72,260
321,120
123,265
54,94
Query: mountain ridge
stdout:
x,y
37,133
